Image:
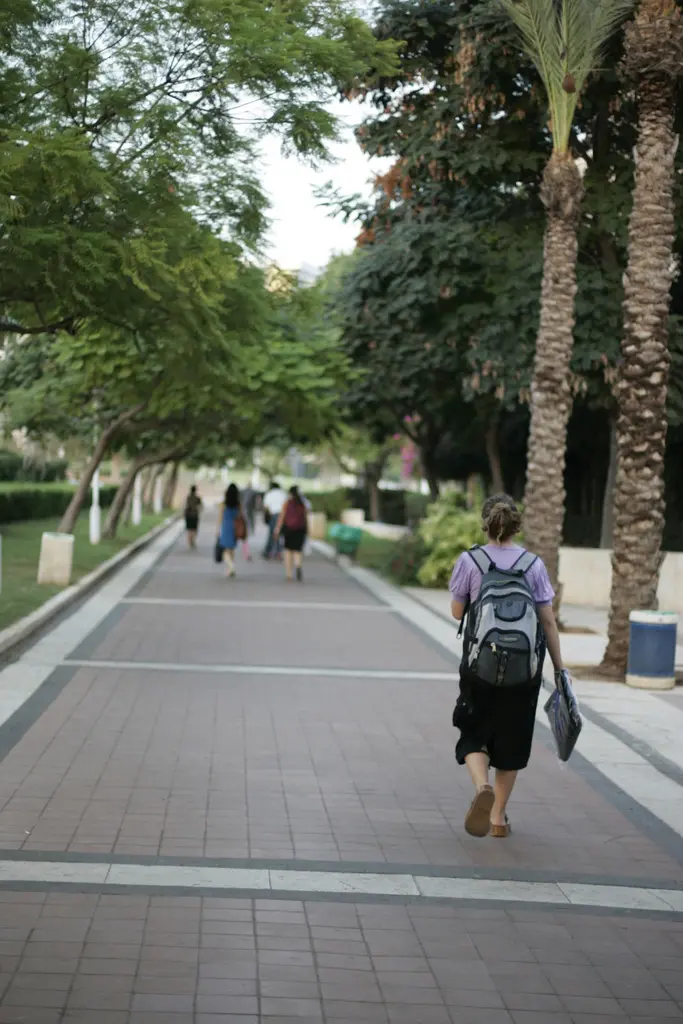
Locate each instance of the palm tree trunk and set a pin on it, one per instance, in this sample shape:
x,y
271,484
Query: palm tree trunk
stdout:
x,y
653,43
607,526
551,397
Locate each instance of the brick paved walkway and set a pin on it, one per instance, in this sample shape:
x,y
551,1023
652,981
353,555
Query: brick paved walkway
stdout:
x,y
260,725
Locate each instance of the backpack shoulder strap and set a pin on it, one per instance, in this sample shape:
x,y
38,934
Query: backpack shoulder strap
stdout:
x,y
482,561
525,561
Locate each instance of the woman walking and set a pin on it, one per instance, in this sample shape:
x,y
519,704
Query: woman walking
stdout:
x,y
506,594
293,525
231,528
193,507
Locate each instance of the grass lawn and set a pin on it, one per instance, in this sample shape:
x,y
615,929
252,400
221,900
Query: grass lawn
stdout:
x,y
21,549
376,552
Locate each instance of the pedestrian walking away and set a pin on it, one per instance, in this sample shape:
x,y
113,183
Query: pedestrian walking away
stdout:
x,y
293,526
231,528
248,500
193,507
502,596
273,503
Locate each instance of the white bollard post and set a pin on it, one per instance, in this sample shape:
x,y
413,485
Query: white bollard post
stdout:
x,y
158,494
136,517
95,511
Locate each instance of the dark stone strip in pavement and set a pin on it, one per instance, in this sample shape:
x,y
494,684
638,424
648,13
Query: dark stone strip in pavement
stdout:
x,y
147,576
337,866
18,724
657,760
286,895
645,821
89,646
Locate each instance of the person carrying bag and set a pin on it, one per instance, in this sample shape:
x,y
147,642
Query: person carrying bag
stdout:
x,y
502,596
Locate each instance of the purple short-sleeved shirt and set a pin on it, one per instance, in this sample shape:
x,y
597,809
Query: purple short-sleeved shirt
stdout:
x,y
466,578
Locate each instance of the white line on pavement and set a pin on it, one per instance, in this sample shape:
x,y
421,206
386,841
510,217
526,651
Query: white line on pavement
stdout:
x,y
298,605
261,670
330,883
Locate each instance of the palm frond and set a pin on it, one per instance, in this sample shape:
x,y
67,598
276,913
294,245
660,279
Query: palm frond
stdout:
x,y
565,40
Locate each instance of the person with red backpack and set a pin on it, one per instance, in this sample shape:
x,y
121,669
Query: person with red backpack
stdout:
x,y
293,525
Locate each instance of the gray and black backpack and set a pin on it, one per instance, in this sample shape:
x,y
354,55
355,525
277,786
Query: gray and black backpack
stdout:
x,y
503,635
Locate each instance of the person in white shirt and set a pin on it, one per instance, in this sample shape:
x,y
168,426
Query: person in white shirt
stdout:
x,y
273,503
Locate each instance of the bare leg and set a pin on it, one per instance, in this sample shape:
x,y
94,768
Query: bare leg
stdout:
x,y
189,538
478,818
502,788
246,549
229,560
288,564
478,767
297,565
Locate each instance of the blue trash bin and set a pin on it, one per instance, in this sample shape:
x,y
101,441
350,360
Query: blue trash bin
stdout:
x,y
652,650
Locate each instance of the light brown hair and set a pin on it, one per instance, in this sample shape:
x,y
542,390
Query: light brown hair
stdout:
x,y
500,517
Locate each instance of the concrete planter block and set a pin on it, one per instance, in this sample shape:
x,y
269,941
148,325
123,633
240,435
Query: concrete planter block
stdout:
x,y
317,525
353,517
56,559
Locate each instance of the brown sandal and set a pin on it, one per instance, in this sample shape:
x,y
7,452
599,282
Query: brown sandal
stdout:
x,y
501,831
478,820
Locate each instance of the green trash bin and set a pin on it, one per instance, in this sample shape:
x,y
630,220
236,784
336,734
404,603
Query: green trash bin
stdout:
x,y
347,540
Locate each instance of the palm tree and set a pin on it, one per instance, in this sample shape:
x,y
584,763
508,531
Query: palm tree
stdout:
x,y
653,57
564,39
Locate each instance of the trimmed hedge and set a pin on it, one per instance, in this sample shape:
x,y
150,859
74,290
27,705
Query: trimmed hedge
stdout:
x,y
35,501
397,508
14,467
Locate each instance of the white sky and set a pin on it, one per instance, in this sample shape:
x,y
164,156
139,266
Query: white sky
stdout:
x,y
302,231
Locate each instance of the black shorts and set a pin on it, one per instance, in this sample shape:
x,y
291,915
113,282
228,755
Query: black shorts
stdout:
x,y
497,721
294,539
191,522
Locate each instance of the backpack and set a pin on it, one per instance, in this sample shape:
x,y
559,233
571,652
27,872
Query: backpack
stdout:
x,y
295,515
504,636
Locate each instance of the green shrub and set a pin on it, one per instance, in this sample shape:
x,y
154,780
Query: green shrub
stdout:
x,y
448,530
404,566
332,503
10,465
35,501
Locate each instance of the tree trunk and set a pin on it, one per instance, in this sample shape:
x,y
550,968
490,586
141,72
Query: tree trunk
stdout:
x,y
433,482
551,397
154,475
373,474
147,485
118,504
493,455
74,507
607,528
127,514
651,55
126,488
171,485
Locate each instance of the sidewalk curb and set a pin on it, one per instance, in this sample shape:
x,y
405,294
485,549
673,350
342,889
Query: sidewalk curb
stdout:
x,y
24,628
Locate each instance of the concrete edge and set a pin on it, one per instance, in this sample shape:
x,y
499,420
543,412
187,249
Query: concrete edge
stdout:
x,y
24,628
